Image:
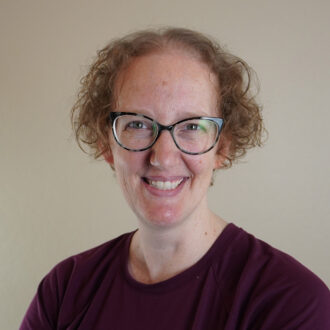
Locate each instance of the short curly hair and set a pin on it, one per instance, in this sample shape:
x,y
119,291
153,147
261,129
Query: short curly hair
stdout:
x,y
243,125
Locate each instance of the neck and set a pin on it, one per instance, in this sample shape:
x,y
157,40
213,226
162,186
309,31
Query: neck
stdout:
x,y
157,254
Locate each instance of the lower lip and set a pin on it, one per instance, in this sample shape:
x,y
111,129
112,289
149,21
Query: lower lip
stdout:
x,y
164,193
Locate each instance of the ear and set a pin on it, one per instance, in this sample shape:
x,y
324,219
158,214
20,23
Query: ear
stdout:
x,y
108,157
222,152
107,154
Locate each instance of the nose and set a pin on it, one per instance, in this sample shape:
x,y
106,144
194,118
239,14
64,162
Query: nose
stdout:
x,y
164,153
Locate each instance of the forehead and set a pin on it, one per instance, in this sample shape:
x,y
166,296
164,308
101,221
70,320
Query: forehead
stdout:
x,y
166,78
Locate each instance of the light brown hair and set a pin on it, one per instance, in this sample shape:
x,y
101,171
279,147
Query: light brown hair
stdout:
x,y
243,125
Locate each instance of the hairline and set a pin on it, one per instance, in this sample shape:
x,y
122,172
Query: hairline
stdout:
x,y
167,46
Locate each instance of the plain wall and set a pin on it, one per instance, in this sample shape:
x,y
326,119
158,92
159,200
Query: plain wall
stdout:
x,y
55,201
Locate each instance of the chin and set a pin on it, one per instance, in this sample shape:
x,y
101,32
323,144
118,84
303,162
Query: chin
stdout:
x,y
162,218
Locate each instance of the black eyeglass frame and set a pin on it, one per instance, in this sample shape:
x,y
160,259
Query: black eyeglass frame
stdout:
x,y
114,115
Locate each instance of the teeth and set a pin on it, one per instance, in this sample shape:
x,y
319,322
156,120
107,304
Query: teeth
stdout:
x,y
165,185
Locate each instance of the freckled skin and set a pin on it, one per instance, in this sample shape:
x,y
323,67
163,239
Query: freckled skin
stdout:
x,y
168,87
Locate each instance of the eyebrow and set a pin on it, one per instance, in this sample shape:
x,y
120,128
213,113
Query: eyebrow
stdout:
x,y
185,115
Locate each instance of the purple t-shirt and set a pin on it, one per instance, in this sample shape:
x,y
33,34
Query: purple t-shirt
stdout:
x,y
240,283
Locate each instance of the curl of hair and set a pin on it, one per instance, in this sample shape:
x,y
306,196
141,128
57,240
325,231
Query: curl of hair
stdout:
x,y
243,125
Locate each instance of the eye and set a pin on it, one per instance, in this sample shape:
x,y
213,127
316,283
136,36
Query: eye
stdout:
x,y
136,124
192,127
196,127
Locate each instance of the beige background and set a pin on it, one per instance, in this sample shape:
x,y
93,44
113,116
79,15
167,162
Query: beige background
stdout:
x,y
55,201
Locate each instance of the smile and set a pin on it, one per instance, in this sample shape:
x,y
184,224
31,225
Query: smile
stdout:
x,y
164,185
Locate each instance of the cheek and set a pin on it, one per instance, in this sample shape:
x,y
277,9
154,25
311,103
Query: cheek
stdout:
x,y
128,163
127,169
199,165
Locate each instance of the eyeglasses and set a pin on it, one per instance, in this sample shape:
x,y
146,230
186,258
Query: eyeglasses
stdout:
x,y
193,136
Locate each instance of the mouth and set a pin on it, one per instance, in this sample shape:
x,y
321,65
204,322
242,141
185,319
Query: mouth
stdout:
x,y
163,185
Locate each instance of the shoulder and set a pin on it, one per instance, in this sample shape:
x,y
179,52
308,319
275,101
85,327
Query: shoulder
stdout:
x,y
270,284
247,254
71,284
77,275
86,262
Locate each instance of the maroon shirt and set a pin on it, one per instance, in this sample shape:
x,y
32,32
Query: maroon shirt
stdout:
x,y
240,283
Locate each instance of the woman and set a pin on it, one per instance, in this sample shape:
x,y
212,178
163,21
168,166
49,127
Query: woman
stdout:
x,y
166,109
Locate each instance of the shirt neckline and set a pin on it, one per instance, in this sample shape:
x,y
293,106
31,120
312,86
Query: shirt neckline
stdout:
x,y
215,252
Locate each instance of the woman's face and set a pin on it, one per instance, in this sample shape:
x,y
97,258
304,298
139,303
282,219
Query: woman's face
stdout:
x,y
167,87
